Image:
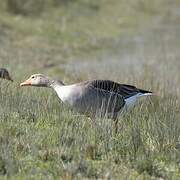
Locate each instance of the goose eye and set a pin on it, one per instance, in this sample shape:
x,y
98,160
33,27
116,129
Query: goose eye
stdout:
x,y
32,77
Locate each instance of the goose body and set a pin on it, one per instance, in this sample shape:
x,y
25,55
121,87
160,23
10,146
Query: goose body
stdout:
x,y
93,98
89,100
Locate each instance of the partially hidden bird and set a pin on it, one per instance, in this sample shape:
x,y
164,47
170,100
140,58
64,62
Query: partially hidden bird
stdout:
x,y
4,74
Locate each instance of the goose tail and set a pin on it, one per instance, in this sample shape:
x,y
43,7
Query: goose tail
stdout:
x,y
145,93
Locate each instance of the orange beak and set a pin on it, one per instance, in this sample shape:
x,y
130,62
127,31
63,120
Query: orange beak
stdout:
x,y
26,83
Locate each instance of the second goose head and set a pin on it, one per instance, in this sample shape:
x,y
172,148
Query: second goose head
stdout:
x,y
4,74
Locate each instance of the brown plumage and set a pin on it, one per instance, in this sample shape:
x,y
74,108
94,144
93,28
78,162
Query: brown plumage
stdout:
x,y
4,74
96,98
121,89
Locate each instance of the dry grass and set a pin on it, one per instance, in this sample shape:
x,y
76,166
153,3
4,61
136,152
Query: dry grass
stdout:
x,y
42,138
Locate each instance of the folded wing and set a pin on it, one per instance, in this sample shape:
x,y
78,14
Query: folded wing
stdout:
x,y
124,90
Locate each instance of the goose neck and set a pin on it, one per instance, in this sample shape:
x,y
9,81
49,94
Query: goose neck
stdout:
x,y
56,83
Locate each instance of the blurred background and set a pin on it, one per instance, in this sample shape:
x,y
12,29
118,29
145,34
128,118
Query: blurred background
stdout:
x,y
129,41
84,39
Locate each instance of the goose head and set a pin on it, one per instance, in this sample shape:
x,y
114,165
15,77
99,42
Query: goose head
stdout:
x,y
5,74
38,80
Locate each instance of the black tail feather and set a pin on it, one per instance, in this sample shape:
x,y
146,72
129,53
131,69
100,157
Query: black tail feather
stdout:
x,y
144,91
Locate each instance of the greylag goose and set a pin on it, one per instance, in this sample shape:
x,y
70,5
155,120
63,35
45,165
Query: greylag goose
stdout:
x,y
93,98
4,74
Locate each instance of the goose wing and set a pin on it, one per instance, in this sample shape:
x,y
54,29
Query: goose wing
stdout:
x,y
122,89
100,93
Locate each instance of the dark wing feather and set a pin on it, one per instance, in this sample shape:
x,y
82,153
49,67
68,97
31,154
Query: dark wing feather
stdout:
x,y
107,100
121,89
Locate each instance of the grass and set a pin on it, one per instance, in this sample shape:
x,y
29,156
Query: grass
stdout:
x,y
135,43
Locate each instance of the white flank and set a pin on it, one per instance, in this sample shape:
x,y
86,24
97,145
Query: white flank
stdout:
x,y
133,100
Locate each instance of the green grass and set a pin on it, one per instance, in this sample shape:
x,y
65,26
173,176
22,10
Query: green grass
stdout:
x,y
135,43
